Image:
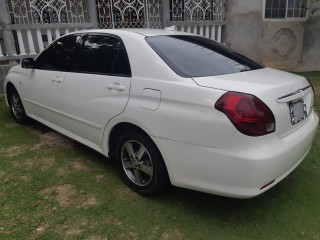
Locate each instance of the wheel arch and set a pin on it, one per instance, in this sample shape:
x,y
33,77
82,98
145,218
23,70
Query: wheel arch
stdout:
x,y
121,127
118,129
7,89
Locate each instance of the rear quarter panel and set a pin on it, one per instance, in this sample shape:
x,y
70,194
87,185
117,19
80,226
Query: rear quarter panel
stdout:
x,y
186,111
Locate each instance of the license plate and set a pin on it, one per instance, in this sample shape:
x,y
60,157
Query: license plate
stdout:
x,y
298,111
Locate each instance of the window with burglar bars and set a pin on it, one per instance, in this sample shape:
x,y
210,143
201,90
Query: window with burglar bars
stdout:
x,y
286,9
200,10
129,14
47,11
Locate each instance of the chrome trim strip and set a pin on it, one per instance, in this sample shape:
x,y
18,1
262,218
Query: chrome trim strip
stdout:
x,y
294,93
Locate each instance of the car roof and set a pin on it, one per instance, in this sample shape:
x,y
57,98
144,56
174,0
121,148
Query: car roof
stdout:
x,y
140,31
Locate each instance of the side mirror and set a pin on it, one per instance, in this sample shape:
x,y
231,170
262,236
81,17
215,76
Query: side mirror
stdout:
x,y
27,63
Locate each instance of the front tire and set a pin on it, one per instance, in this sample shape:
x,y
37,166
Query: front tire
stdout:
x,y
140,164
16,107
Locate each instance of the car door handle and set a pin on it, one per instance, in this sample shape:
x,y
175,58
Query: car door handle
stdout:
x,y
56,79
116,86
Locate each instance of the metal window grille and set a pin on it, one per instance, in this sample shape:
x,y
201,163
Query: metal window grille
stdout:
x,y
129,14
197,10
297,9
47,11
286,9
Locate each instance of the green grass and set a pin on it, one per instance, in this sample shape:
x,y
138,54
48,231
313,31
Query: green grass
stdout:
x,y
54,188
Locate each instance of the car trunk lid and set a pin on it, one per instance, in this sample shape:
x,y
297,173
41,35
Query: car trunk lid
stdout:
x,y
290,97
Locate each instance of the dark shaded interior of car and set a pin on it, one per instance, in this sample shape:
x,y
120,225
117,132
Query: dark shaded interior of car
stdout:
x,y
194,56
92,54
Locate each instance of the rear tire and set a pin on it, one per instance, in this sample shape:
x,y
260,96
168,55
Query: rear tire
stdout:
x,y
140,164
16,107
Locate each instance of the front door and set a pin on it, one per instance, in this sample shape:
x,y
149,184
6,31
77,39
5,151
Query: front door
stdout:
x,y
45,80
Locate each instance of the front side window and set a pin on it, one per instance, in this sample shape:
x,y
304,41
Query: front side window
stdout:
x,y
286,9
194,56
57,57
101,54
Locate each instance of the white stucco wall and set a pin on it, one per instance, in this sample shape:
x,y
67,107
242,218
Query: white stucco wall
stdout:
x,y
284,44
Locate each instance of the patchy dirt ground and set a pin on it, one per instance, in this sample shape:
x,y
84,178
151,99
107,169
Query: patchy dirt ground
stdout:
x,y
63,194
13,151
67,195
51,139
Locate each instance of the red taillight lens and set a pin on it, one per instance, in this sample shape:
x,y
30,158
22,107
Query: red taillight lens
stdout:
x,y
247,113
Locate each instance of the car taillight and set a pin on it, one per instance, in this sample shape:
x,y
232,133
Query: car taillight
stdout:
x,y
247,113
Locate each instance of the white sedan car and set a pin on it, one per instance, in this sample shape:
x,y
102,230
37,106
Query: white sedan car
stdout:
x,y
169,107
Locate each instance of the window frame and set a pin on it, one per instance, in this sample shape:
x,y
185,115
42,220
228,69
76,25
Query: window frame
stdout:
x,y
286,18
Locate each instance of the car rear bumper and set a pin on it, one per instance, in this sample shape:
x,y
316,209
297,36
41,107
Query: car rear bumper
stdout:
x,y
242,167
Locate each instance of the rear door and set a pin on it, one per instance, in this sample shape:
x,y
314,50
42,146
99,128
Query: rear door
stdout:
x,y
98,87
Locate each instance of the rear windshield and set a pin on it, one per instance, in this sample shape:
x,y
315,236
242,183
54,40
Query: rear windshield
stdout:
x,y
194,56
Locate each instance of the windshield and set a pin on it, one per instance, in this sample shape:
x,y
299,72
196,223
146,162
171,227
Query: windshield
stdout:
x,y
195,56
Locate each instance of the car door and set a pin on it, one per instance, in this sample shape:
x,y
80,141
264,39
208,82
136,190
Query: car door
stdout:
x,y
98,88
45,80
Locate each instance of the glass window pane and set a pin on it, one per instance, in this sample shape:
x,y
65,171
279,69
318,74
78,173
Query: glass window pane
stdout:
x,y
102,55
290,13
296,13
122,66
297,4
58,57
282,13
268,3
304,4
283,4
290,4
285,8
275,4
303,13
267,13
192,56
275,13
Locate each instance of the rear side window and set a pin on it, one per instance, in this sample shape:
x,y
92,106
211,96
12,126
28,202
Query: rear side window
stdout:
x,y
58,56
101,54
194,56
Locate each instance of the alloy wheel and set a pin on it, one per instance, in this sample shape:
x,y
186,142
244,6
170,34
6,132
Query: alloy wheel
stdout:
x,y
137,162
16,106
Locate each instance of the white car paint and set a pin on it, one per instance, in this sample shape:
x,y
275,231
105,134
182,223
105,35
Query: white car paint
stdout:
x,y
88,110
201,148
269,85
43,94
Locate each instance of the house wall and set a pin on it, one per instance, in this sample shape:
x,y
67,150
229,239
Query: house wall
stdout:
x,y
311,49
244,27
292,45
